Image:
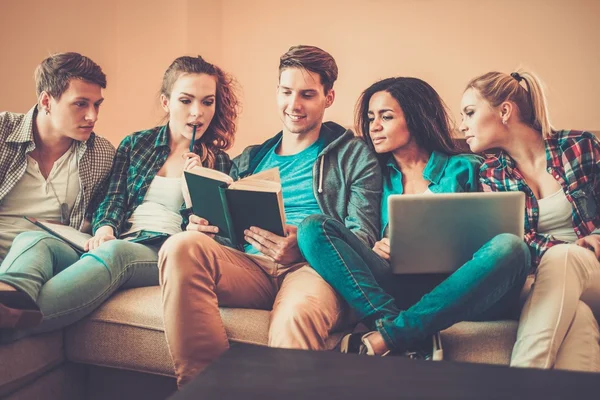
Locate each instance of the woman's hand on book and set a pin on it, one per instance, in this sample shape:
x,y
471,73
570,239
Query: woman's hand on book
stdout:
x,y
103,234
282,250
199,224
191,160
382,248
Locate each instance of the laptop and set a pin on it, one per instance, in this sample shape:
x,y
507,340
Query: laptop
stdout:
x,y
438,233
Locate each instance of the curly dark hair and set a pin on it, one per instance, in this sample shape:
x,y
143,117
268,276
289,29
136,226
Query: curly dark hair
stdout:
x,y
426,114
220,133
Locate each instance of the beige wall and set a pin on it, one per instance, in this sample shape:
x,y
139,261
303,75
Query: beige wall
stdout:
x,y
445,42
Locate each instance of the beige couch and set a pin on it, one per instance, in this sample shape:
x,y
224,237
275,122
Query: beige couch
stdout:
x,y
120,352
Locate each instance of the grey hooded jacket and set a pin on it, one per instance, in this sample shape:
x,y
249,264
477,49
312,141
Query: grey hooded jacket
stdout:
x,y
347,179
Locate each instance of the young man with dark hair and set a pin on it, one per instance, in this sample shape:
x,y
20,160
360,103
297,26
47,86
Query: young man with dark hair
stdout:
x,y
52,165
324,170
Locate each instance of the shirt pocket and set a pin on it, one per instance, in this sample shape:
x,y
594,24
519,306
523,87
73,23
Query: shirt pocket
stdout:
x,y
583,197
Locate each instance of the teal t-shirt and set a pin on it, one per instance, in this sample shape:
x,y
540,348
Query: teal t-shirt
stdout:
x,y
296,173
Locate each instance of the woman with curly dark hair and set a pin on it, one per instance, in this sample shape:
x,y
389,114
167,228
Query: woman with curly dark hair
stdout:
x,y
143,206
405,121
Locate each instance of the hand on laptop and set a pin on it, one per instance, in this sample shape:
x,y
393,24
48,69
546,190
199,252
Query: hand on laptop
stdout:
x,y
590,242
282,250
199,224
382,248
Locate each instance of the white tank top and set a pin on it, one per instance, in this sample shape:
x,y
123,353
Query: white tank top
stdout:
x,y
555,217
159,212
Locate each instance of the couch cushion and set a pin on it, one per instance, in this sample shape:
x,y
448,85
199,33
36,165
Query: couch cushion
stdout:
x,y
480,342
28,358
127,332
65,382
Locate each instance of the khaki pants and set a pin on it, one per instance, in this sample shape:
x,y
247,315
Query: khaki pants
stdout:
x,y
198,275
558,328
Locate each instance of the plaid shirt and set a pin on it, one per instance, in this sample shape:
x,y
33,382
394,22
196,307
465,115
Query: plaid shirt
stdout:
x,y
94,156
139,157
574,161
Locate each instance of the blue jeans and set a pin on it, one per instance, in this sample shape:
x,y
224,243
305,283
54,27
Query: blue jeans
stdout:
x,y
67,287
484,288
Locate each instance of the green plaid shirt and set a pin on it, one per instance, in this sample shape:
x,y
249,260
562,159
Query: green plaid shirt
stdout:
x,y
139,157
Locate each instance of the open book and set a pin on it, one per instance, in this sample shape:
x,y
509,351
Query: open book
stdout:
x,y
77,239
71,236
255,200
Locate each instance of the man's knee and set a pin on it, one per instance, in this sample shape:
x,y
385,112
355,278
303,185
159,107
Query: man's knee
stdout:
x,y
181,253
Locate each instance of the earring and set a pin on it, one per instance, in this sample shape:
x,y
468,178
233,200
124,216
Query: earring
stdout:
x,y
47,111
504,121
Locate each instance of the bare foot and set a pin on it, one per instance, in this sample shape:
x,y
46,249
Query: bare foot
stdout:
x,y
5,287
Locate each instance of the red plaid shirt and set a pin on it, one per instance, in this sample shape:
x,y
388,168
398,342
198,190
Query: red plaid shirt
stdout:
x,y
574,161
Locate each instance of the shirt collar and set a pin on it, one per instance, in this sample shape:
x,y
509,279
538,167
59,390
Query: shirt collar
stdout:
x,y
162,139
23,133
434,170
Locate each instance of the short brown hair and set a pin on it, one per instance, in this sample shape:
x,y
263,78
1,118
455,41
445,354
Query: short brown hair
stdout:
x,y
312,59
220,133
55,72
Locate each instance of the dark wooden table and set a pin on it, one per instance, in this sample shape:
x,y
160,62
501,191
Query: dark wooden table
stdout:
x,y
254,372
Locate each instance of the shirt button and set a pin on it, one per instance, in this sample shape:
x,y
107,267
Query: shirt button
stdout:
x,y
577,232
556,176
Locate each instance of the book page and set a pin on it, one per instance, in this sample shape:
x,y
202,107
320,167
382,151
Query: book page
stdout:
x,y
66,232
257,186
264,181
271,174
281,210
212,174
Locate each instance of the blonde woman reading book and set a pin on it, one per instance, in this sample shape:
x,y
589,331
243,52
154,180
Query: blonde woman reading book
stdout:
x,y
144,198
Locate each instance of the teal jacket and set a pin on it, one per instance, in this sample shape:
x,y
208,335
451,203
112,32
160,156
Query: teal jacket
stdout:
x,y
346,178
447,174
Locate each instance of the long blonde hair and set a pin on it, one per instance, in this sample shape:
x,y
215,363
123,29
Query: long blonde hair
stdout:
x,y
530,99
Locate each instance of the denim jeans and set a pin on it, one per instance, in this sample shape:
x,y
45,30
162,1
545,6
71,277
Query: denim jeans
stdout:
x,y
485,288
66,286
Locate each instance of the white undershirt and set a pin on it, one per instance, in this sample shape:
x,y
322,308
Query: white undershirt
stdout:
x,y
33,196
556,217
159,212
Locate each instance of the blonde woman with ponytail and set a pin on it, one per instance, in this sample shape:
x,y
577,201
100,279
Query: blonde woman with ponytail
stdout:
x,y
558,170
144,203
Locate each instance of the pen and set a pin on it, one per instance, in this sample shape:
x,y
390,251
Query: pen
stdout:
x,y
193,138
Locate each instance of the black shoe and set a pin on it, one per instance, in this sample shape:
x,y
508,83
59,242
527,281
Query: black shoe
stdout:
x,y
18,311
